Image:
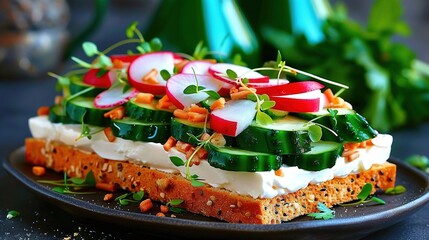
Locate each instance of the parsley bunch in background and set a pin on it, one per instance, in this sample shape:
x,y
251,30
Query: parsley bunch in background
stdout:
x,y
390,87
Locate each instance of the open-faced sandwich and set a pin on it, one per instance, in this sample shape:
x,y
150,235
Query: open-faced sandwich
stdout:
x,y
226,140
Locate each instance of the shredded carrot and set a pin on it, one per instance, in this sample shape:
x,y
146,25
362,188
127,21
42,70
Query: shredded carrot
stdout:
x,y
218,140
145,205
218,104
164,103
107,197
240,89
240,95
160,214
116,113
144,98
202,153
150,77
196,117
118,63
198,109
182,146
109,134
279,172
171,142
233,90
164,208
329,95
43,111
38,170
110,187
182,114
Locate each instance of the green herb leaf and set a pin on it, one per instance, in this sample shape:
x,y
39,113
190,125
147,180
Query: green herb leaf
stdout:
x,y
325,213
138,196
90,179
191,89
252,97
123,196
315,133
81,63
267,105
237,59
129,31
365,192
101,72
245,81
105,61
378,200
399,189
174,202
231,74
124,201
165,74
13,214
279,57
212,94
59,190
176,210
156,44
200,51
196,183
90,49
263,118
177,161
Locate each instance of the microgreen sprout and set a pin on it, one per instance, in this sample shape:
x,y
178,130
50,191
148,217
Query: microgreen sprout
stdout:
x,y
365,196
192,89
399,189
12,214
172,206
325,212
86,130
63,83
127,198
69,185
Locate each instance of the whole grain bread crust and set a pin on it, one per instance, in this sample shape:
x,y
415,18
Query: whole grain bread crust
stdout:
x,y
206,200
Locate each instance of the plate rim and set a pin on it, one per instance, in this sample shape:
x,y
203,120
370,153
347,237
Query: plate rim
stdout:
x,y
282,228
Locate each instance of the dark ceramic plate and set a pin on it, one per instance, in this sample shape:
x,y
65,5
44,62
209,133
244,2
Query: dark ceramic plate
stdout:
x,y
350,222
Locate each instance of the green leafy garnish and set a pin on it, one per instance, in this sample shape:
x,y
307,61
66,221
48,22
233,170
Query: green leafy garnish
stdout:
x,y
69,185
165,74
192,89
63,84
200,51
172,205
177,161
325,213
127,198
315,133
399,189
12,214
364,197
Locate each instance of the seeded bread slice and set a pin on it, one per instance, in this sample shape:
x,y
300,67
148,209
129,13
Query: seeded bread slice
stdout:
x,y
206,200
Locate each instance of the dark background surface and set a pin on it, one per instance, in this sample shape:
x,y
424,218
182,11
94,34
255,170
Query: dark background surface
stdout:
x,y
19,100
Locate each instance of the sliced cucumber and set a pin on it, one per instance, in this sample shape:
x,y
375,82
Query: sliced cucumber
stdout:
x,y
208,102
321,156
83,107
347,124
276,114
234,159
288,135
147,112
77,85
58,115
183,129
136,130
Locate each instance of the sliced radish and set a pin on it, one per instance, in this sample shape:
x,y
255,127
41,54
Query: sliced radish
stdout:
x,y
218,71
312,101
104,81
233,118
270,83
144,64
177,84
289,88
199,66
114,96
